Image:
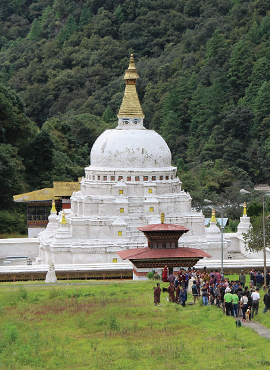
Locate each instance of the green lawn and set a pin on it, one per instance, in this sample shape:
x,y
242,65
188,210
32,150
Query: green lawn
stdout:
x,y
115,326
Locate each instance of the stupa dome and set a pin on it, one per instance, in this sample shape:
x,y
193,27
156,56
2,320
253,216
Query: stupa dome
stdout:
x,y
130,148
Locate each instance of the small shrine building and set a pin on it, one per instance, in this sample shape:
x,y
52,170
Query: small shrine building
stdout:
x,y
162,250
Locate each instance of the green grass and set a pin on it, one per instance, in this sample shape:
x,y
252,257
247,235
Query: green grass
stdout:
x,y
115,325
12,235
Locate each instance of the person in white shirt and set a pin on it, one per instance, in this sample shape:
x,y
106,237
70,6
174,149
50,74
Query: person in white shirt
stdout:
x,y
255,302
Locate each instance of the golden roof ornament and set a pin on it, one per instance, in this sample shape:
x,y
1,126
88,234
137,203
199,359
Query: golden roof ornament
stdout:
x,y
53,209
213,218
63,219
131,73
131,106
162,217
245,209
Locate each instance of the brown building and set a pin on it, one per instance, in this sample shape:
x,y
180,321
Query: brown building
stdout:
x,y
39,204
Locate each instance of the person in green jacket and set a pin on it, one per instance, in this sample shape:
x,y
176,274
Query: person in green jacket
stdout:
x,y
228,302
235,300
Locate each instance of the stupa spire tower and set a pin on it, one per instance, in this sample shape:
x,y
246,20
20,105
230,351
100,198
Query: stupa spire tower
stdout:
x,y
130,114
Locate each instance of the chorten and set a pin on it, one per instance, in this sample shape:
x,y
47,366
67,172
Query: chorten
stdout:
x,y
130,181
245,223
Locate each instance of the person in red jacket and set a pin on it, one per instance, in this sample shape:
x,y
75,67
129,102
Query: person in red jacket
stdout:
x,y
165,274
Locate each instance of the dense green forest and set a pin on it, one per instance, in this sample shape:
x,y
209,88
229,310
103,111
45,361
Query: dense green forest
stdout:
x,y
205,87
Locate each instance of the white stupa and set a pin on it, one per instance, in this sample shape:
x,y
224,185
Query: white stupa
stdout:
x,y
129,182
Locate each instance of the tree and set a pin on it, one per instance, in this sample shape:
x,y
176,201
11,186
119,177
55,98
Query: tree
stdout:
x,y
109,116
119,14
39,161
85,15
11,174
254,237
67,31
216,43
36,29
241,63
15,127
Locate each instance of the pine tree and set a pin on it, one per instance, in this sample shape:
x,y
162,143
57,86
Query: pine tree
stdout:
x,y
119,14
214,44
85,16
68,30
260,74
35,31
241,63
109,115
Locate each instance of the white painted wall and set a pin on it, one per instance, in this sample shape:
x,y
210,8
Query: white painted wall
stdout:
x,y
19,247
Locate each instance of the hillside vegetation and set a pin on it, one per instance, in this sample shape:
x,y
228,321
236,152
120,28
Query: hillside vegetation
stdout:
x,y
204,67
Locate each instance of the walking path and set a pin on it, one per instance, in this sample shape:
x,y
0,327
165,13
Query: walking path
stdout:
x,y
260,329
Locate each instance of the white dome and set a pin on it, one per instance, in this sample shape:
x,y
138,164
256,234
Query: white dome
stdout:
x,y
130,149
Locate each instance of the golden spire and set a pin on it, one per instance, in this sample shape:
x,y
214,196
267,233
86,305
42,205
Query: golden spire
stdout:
x,y
63,220
53,209
245,209
213,218
131,106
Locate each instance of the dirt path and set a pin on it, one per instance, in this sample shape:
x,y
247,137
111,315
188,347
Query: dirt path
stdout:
x,y
260,329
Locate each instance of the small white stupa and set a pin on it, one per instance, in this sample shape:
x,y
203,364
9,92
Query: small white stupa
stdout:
x,y
245,223
129,182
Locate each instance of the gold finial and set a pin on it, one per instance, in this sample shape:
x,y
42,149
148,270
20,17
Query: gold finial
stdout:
x,y
53,210
63,220
162,216
245,209
131,73
213,218
131,106
132,63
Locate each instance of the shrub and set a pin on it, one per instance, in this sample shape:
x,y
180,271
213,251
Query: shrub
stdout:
x,y
23,293
113,324
152,275
11,221
11,333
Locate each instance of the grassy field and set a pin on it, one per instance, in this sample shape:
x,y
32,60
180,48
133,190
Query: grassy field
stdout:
x,y
115,325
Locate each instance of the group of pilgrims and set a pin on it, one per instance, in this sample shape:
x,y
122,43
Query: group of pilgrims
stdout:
x,y
234,297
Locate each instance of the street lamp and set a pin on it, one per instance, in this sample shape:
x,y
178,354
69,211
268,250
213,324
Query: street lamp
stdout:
x,y
222,257
221,229
265,190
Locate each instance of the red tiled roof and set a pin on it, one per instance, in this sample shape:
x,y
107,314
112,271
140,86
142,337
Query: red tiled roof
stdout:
x,y
163,227
147,253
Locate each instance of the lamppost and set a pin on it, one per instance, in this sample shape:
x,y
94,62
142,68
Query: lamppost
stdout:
x,y
221,229
265,190
222,257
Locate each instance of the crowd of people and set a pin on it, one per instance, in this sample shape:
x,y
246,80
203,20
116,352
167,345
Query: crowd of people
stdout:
x,y
235,297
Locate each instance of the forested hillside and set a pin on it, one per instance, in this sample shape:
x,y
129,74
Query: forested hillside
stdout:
x,y
205,87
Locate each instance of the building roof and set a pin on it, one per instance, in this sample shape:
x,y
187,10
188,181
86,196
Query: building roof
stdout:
x,y
60,189
163,227
147,253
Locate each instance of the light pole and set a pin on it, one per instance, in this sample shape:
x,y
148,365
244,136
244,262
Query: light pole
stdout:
x,y
221,228
264,189
222,272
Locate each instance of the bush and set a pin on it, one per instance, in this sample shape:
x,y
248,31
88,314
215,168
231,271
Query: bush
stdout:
x,y
152,275
11,333
11,221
